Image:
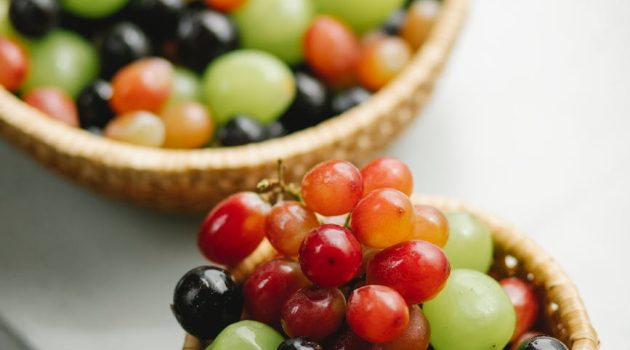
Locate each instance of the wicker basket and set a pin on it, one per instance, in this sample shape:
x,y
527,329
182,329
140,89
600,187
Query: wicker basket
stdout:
x,y
565,316
195,180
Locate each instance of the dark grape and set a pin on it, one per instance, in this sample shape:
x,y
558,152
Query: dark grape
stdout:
x,y
93,105
347,99
158,18
542,343
394,22
241,130
275,130
206,300
299,344
309,104
34,17
122,44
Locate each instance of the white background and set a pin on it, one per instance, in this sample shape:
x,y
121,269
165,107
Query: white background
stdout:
x,y
531,121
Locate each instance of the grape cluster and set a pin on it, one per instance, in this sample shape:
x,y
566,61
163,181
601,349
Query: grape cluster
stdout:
x,y
359,266
192,73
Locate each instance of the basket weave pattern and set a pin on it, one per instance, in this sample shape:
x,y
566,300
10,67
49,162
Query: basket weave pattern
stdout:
x,y
194,180
565,315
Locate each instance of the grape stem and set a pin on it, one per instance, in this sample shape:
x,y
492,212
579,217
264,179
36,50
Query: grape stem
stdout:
x,y
274,191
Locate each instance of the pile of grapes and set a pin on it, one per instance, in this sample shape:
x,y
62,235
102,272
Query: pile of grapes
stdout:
x,y
193,73
359,266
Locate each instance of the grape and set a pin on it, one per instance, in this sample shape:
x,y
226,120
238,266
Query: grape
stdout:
x,y
330,255
54,103
138,128
268,288
525,336
142,85
122,44
158,18
417,270
234,228
287,225
472,312
64,60
348,340
383,218
275,130
525,301
430,225
241,130
309,104
275,26
225,5
206,299
382,61
377,313
93,105
387,172
93,9
186,86
415,337
331,49
332,188
313,312
247,335
361,15
347,99
394,23
420,18
299,344
187,124
248,82
13,64
34,18
469,244
542,343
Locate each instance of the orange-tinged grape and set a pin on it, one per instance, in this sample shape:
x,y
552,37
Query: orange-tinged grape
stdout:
x,y
383,218
332,188
377,313
142,86
387,172
419,20
225,5
430,225
416,337
331,49
139,128
187,125
381,61
287,225
55,103
13,64
372,37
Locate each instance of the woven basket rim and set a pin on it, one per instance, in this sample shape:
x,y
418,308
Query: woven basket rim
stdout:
x,y
79,143
558,287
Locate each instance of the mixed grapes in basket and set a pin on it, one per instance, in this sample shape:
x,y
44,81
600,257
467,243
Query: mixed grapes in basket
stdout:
x,y
350,262
193,73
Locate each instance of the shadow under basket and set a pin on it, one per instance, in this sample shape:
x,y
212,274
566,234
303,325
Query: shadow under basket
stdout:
x,y
194,180
563,314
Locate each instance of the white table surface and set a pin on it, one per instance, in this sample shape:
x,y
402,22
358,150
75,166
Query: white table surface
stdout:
x,y
531,121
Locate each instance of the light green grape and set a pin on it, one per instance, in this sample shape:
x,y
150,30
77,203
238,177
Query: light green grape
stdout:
x,y
361,15
248,82
93,8
62,59
247,335
472,312
186,86
275,26
469,243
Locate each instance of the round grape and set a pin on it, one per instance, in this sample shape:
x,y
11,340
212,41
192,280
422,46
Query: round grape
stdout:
x,y
430,225
525,301
347,99
122,44
377,313
415,337
542,343
247,335
14,64
93,105
34,17
469,244
287,225
187,124
241,130
93,9
225,5
313,312
309,106
381,61
142,85
138,128
387,172
186,86
299,344
55,103
361,15
420,18
332,188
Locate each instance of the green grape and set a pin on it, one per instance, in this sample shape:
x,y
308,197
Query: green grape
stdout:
x,y
472,312
5,24
64,60
248,82
93,8
247,335
186,86
275,26
361,15
469,244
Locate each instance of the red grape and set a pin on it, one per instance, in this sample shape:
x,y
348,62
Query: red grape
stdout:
x,y
268,288
377,313
430,225
313,312
525,303
381,61
387,173
332,188
287,225
330,255
55,103
382,218
142,85
415,337
417,270
234,228
348,340
14,64
225,5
